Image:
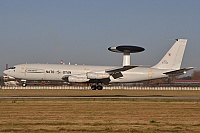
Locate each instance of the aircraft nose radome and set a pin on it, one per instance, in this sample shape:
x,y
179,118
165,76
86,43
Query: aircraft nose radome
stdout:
x,y
5,72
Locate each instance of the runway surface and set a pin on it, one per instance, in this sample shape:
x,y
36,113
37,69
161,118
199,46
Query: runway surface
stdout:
x,y
101,97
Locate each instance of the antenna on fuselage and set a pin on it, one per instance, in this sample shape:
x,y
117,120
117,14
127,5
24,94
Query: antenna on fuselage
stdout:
x,y
126,50
6,66
62,62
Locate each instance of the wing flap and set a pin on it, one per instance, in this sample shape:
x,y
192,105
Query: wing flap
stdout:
x,y
120,69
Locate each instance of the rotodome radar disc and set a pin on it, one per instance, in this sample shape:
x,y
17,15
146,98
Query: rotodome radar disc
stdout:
x,y
126,49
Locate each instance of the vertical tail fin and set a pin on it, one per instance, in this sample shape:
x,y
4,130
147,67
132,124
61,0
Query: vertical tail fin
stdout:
x,y
173,58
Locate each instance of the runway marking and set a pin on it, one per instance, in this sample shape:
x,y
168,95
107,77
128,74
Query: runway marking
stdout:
x,y
100,97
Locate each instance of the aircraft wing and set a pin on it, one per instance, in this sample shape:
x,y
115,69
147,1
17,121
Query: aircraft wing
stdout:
x,y
120,69
178,72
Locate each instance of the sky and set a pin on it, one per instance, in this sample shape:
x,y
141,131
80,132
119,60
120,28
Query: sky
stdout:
x,y
80,31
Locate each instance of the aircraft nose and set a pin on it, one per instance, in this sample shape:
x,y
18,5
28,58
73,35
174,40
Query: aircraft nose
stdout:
x,y
5,72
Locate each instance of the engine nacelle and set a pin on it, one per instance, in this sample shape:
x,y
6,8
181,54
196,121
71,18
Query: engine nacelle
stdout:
x,y
77,79
91,75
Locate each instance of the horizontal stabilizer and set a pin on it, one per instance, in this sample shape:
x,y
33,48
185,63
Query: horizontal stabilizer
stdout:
x,y
120,69
178,72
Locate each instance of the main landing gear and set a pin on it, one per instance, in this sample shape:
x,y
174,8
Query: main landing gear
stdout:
x,y
97,87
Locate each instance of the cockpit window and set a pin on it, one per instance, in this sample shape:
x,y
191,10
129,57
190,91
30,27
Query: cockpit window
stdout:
x,y
11,68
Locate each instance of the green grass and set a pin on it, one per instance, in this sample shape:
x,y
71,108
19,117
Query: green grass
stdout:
x,y
99,115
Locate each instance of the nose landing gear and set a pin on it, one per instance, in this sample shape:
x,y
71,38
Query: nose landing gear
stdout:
x,y
24,84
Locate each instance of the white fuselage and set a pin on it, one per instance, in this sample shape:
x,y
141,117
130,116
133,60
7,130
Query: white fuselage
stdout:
x,y
56,72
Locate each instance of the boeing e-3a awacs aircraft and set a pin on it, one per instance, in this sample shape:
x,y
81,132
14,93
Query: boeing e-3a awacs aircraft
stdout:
x,y
98,75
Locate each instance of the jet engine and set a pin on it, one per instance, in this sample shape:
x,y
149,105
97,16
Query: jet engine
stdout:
x,y
77,79
91,75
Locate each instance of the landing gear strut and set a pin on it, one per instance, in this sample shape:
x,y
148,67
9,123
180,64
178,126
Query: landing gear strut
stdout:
x,y
97,87
24,84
